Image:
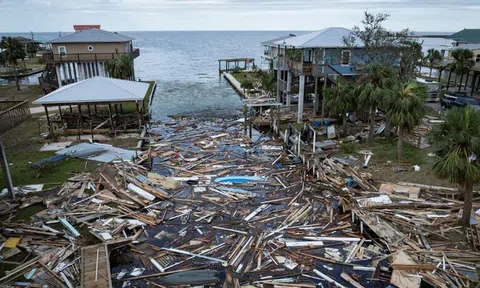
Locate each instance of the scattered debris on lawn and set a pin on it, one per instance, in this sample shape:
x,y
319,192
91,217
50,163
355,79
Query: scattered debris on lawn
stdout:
x,y
205,205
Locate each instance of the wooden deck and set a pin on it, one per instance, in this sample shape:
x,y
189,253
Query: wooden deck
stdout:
x,y
95,267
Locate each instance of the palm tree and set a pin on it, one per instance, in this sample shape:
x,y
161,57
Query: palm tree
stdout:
x,y
406,110
340,100
457,142
121,68
268,81
433,57
463,63
13,50
372,89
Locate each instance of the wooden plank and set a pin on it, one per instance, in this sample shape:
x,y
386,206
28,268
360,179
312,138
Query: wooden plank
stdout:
x,y
95,271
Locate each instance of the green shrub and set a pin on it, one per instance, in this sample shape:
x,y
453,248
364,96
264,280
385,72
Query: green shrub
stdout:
x,y
350,147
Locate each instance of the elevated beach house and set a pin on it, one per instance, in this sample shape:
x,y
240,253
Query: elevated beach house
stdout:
x,y
306,64
84,54
468,39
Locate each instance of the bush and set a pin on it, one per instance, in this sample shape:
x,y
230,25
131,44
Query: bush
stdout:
x,y
350,147
247,84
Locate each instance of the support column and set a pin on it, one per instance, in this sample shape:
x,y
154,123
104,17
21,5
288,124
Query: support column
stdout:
x,y
279,78
317,98
137,108
301,96
466,81
289,88
59,77
6,171
325,80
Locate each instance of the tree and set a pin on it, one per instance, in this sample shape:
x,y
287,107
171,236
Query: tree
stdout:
x,y
457,143
268,81
406,110
121,68
32,49
340,100
411,57
463,63
372,88
381,46
14,50
3,59
433,57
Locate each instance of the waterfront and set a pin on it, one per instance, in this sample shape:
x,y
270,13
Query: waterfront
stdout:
x,y
185,66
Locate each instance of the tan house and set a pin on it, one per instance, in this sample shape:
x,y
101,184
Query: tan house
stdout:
x,y
82,55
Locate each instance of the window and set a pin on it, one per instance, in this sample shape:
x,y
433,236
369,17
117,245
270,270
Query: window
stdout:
x,y
478,58
90,48
307,56
345,57
62,50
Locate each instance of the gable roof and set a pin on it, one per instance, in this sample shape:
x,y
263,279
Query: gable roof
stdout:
x,y
327,38
467,35
96,90
92,36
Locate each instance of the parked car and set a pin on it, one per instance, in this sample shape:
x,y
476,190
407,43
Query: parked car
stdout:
x,y
459,99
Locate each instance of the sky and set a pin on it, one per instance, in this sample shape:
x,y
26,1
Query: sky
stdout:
x,y
156,15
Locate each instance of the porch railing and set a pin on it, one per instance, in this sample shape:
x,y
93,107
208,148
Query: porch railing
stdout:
x,y
87,57
13,113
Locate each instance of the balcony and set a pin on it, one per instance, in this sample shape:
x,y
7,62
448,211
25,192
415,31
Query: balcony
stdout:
x,y
86,57
299,67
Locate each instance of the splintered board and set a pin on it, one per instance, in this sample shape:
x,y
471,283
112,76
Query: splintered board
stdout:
x,y
95,267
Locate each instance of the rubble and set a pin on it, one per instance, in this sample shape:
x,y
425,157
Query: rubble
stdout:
x,y
205,205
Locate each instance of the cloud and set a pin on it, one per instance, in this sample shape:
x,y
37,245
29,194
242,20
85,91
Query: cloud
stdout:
x,y
443,15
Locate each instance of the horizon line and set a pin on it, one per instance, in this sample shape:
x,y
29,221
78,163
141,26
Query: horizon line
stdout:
x,y
219,30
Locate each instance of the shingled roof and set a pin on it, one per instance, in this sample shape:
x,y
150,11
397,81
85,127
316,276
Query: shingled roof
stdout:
x,y
93,36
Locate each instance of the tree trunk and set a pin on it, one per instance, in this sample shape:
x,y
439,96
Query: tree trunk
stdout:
x,y
388,127
460,85
24,64
467,204
16,77
449,78
372,123
431,68
400,144
344,118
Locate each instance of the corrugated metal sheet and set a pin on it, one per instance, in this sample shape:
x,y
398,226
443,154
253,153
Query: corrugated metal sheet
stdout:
x,y
326,38
96,90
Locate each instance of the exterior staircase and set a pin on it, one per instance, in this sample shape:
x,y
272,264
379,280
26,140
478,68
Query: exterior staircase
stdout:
x,y
48,80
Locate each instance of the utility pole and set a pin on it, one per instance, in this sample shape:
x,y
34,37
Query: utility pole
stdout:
x,y
6,170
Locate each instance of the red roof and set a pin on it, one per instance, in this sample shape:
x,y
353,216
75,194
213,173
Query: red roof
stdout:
x,y
85,27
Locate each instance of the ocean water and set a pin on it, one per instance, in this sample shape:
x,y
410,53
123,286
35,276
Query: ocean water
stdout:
x,y
185,66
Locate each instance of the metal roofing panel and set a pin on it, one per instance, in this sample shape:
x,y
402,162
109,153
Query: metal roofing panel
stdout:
x,y
96,90
92,36
328,38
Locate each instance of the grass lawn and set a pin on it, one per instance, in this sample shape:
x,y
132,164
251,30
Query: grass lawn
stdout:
x,y
27,92
385,168
242,76
22,144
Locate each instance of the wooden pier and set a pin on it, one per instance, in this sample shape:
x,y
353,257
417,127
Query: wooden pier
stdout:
x,y
229,65
95,267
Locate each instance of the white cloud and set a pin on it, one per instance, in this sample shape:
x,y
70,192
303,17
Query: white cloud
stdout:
x,y
425,15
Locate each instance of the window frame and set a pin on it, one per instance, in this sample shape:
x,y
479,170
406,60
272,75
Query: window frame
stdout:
x,y
349,62
60,52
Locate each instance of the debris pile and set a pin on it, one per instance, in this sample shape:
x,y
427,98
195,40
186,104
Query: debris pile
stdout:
x,y
206,205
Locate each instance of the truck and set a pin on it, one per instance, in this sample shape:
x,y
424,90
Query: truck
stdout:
x,y
433,89
459,99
